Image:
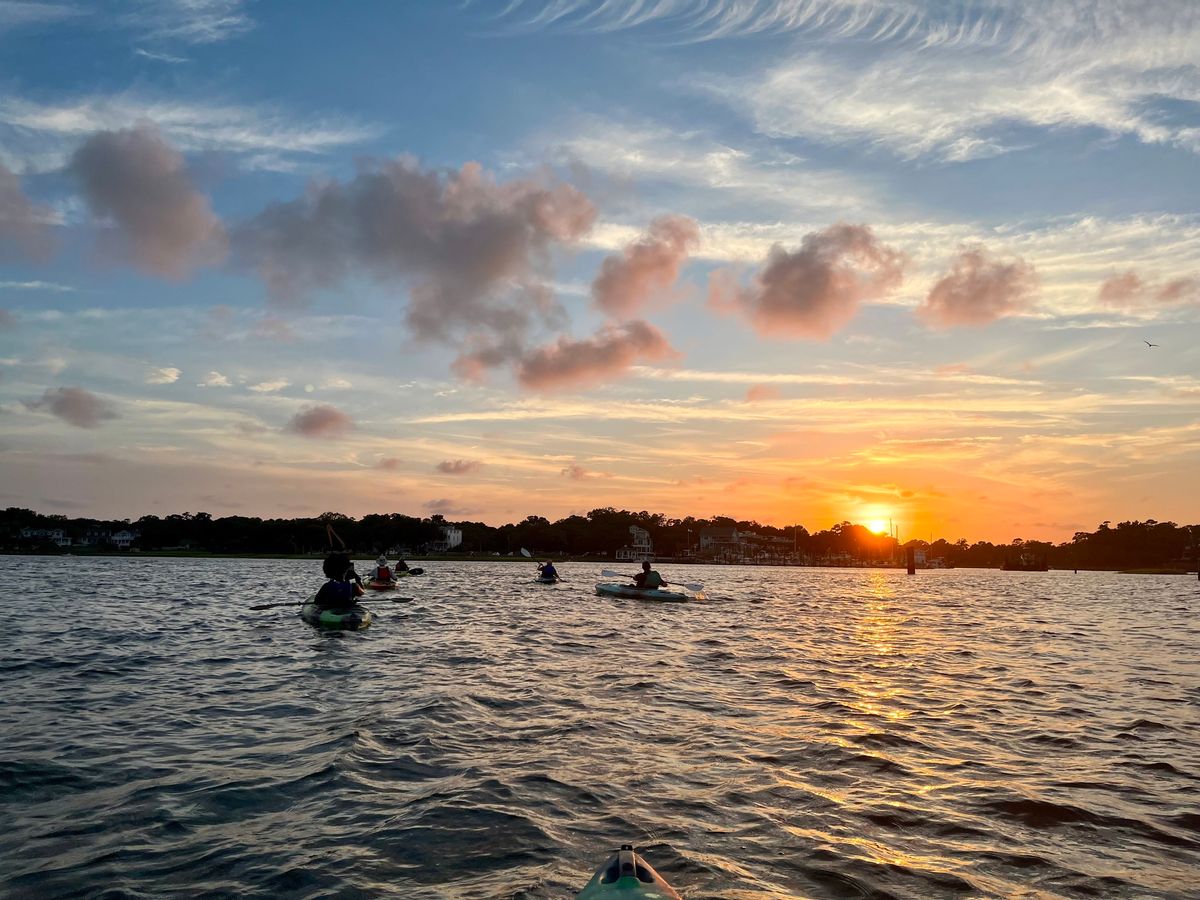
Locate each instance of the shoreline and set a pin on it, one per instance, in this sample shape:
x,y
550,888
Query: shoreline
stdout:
x,y
201,554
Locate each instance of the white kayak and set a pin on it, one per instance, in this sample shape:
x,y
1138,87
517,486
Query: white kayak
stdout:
x,y
629,592
625,874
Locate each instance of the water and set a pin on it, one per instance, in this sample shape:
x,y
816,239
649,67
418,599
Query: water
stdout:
x,y
806,732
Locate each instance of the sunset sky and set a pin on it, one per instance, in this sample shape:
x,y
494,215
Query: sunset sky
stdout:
x,y
789,260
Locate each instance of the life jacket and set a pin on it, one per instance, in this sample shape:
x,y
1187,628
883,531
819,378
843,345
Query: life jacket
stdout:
x,y
383,573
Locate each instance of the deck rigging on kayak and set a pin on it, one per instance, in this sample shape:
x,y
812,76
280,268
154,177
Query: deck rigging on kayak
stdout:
x,y
626,874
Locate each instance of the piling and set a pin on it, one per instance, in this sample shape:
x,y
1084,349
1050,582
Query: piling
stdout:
x,y
912,560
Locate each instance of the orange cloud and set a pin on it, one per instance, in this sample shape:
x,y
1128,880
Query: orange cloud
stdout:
x,y
649,265
759,392
979,290
815,291
458,466
1129,291
606,355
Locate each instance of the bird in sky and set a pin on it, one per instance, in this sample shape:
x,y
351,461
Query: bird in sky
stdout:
x,y
1148,344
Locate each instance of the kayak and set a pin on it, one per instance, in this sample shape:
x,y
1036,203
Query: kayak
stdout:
x,y
625,874
354,618
629,592
541,580
381,585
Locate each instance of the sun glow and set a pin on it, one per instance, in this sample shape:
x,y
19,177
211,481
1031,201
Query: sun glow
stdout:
x,y
879,526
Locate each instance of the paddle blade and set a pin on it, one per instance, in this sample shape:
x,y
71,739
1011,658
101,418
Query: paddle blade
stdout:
x,y
698,588
609,573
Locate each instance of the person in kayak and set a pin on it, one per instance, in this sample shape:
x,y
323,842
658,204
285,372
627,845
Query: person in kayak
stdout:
x,y
648,579
547,570
343,587
381,572
401,566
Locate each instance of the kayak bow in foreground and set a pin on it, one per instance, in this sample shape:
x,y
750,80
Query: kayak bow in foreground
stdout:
x,y
625,874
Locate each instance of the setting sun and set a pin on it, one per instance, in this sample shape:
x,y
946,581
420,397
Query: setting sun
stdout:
x,y
879,526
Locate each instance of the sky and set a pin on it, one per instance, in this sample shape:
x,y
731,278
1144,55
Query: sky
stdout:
x,y
795,261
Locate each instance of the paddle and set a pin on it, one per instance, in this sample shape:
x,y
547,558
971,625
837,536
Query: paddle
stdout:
x,y
302,602
609,573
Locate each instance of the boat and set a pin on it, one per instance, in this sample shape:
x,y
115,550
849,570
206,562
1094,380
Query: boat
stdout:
x,y
541,579
374,585
353,618
1025,562
629,592
626,874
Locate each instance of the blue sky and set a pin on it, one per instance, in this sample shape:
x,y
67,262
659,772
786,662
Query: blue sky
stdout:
x,y
276,258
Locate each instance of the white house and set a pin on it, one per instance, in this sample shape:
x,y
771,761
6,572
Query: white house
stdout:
x,y
451,537
123,539
640,548
53,535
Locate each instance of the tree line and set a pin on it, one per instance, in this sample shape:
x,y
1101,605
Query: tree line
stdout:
x,y
600,533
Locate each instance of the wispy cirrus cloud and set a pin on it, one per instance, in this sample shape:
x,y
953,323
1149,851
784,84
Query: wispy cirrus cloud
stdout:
x,y
42,136
17,14
952,99
188,21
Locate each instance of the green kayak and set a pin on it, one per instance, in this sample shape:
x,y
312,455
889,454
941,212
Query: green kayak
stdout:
x,y
625,874
354,618
629,592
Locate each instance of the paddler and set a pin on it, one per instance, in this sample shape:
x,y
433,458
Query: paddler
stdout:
x,y
381,572
343,587
547,570
648,579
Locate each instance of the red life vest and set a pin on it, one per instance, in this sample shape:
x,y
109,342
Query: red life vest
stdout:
x,y
383,573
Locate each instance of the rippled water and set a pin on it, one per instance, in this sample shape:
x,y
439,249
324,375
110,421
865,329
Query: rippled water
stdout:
x,y
804,732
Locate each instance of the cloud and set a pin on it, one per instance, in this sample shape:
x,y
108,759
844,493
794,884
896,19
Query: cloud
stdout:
x,y
75,406
608,354
1129,291
35,286
189,21
577,472
951,83
168,375
445,506
471,250
458,466
979,290
15,13
816,290
647,266
388,464
274,328
141,183
23,231
758,392
259,137
270,387
320,422
214,379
